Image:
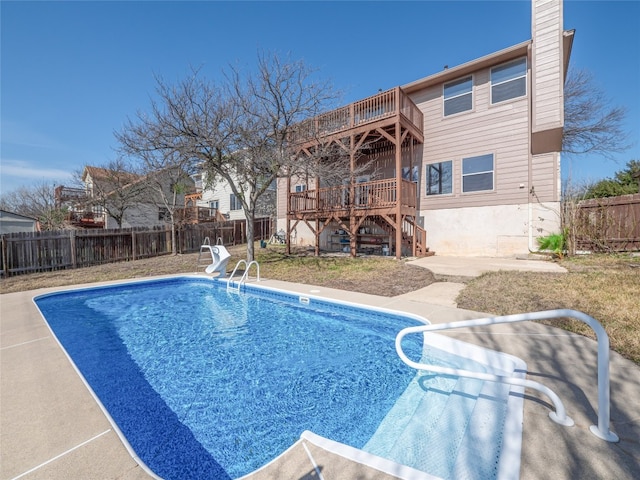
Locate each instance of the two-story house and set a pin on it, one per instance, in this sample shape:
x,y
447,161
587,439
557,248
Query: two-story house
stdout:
x,y
112,199
218,202
465,161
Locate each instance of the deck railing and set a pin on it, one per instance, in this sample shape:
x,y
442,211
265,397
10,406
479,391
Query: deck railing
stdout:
x,y
375,194
377,107
197,215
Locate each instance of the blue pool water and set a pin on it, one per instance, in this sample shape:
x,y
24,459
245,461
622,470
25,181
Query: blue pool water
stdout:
x,y
210,384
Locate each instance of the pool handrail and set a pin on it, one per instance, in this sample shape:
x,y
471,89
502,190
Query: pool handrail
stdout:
x,y
601,430
244,275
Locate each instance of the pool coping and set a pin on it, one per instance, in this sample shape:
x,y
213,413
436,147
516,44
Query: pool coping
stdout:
x,y
50,421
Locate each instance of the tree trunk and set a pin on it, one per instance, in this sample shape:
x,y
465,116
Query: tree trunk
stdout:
x,y
250,214
174,249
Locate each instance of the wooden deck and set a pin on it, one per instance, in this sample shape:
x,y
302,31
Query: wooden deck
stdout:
x,y
383,124
378,111
370,198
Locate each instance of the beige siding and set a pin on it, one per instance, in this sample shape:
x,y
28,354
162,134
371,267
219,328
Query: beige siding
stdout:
x,y
501,129
547,79
281,205
546,177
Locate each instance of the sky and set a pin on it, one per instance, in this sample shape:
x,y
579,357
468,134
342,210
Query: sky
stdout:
x,y
72,73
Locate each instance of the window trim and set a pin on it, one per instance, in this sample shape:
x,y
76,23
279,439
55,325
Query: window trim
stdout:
x,y
493,174
428,176
470,92
234,201
525,76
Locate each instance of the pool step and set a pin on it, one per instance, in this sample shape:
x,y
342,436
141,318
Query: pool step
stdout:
x,y
439,417
480,448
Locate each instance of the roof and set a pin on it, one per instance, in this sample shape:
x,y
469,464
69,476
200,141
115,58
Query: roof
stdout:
x,y
13,214
104,174
472,66
495,58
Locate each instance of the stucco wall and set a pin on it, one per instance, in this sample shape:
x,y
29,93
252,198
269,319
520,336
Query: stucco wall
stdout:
x,y
503,230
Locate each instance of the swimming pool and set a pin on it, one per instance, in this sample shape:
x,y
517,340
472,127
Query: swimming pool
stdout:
x,y
209,384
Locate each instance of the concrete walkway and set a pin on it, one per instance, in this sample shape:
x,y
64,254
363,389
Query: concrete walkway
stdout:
x,y
52,427
444,268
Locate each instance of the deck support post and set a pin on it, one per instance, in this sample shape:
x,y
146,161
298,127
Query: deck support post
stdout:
x,y
398,188
352,196
287,239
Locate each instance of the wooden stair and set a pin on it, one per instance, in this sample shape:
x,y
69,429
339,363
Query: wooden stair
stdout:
x,y
408,226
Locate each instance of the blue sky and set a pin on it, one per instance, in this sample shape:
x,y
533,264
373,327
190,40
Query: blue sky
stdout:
x,y
72,72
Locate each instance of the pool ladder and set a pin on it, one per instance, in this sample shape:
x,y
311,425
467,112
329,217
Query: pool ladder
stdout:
x,y
601,430
235,286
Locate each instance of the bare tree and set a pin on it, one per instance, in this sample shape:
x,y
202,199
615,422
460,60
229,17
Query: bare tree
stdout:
x,y
591,124
36,201
238,131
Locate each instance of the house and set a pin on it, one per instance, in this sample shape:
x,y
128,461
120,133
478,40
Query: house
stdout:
x,y
218,202
14,223
114,198
465,161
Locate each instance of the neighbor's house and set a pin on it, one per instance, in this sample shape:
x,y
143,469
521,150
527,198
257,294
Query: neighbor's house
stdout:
x,y
466,161
14,223
218,202
135,196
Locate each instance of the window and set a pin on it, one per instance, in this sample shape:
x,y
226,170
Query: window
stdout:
x,y
439,178
477,173
214,204
163,213
301,188
458,96
234,203
509,80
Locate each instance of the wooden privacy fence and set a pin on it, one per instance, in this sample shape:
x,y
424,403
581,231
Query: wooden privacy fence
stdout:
x,y
608,224
46,251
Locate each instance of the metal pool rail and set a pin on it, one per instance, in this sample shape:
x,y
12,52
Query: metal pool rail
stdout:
x,y
244,275
601,430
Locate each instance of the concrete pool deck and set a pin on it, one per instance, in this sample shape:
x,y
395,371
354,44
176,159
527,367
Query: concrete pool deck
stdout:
x,y
52,428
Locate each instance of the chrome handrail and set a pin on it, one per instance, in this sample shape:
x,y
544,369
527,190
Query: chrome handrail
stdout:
x,y
601,430
244,275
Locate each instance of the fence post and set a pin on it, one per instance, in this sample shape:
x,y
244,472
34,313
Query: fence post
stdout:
x,y
5,267
133,244
72,247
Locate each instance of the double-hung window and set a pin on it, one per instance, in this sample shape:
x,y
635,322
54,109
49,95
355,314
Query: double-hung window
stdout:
x,y
477,173
439,178
458,96
234,202
509,80
301,188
